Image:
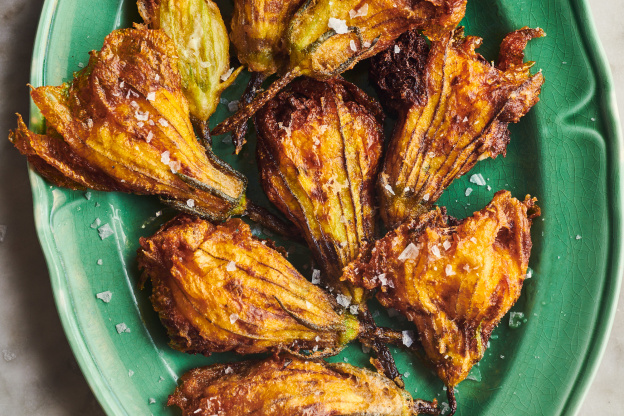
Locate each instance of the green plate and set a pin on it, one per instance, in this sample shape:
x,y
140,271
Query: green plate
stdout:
x,y
567,152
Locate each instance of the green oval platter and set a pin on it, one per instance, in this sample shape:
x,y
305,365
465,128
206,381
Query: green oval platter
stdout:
x,y
567,152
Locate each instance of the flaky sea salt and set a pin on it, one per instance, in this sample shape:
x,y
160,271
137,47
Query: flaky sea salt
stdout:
x,y
343,300
105,296
163,122
515,319
477,179
190,203
229,370
100,262
447,244
352,45
105,231
410,252
8,355
468,191
87,195
121,328
233,106
96,223
227,75
152,400
339,25
316,276
578,237
151,96
149,137
233,318
436,251
397,49
449,270
529,273
231,266
164,157
408,338
130,373
389,189
354,309
361,12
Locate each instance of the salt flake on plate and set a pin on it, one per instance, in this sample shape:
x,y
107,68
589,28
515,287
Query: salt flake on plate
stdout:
x,y
339,25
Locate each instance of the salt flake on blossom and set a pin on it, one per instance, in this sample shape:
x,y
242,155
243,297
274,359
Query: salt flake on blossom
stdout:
x,y
447,244
225,76
339,25
233,318
410,252
164,157
389,189
397,49
436,251
352,45
449,270
231,266
151,96
190,203
408,338
316,276
361,12
343,300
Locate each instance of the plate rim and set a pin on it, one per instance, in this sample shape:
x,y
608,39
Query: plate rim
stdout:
x,y
615,265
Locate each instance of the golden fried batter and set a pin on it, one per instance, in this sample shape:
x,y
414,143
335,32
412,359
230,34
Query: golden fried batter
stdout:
x,y
287,386
319,145
454,279
454,108
258,33
128,102
217,288
326,37
201,42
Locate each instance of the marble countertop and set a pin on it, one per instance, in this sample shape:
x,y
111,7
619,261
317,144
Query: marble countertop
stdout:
x,y
38,373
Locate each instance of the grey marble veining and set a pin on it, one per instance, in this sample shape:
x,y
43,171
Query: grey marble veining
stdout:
x,y
38,373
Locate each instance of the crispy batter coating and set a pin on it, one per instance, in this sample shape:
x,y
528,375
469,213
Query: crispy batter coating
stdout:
x,y
259,30
326,38
201,42
454,108
128,102
287,386
217,288
454,279
319,145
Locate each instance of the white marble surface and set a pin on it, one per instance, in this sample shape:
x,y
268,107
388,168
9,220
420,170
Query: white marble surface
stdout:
x,y
38,373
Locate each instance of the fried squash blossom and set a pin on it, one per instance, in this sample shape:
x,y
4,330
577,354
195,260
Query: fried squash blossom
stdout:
x,y
454,279
288,386
454,108
123,124
217,288
319,146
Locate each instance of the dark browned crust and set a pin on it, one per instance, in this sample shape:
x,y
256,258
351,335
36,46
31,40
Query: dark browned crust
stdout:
x,y
301,108
128,100
195,295
454,108
288,386
429,286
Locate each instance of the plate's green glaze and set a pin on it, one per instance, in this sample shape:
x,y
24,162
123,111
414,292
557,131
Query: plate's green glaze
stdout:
x,y
567,152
